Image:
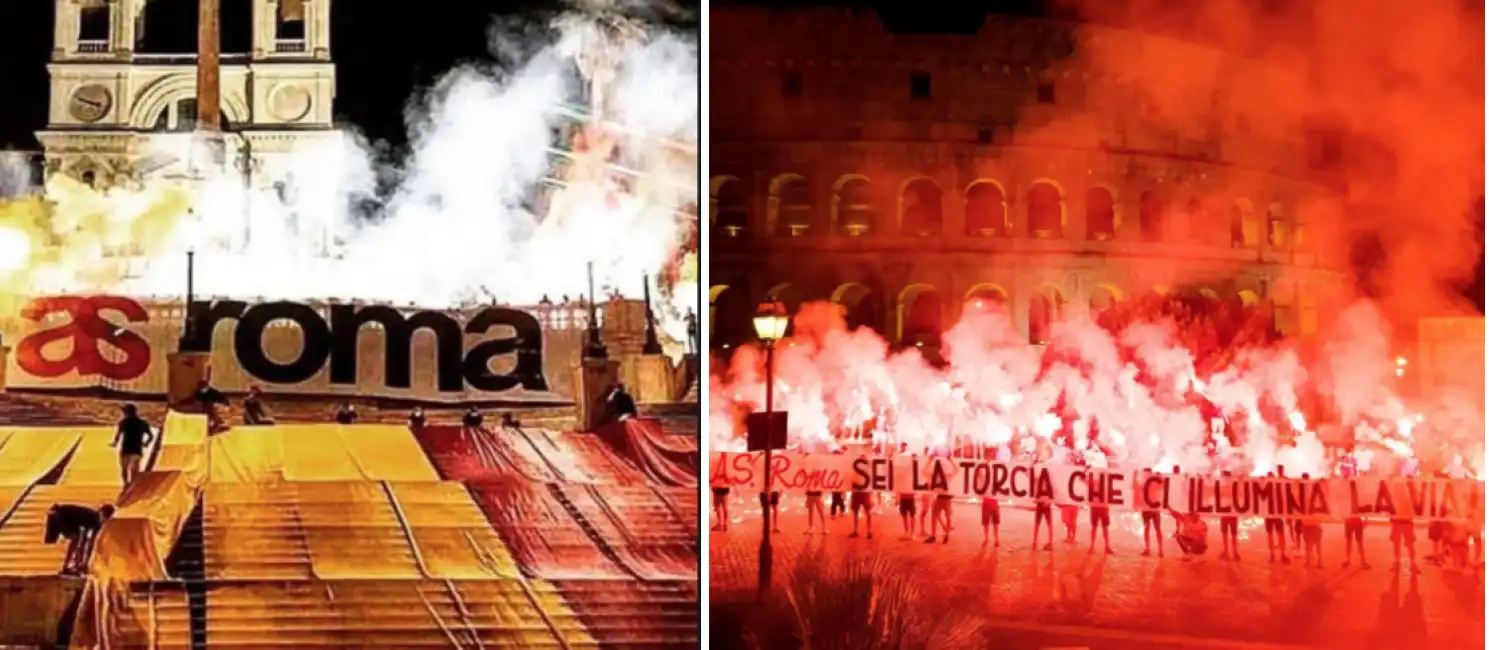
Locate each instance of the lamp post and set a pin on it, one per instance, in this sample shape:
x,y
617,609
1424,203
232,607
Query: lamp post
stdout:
x,y
770,325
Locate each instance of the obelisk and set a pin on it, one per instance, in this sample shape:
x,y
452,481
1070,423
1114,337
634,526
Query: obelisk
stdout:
x,y
210,154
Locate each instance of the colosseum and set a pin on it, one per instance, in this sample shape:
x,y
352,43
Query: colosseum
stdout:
x,y
904,175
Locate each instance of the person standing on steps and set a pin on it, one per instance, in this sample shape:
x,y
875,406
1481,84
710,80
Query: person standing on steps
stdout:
x,y
131,438
416,418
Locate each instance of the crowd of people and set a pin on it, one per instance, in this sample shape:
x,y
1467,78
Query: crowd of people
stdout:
x,y
923,515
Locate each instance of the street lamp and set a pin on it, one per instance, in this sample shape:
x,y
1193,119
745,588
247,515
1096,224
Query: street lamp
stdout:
x,y
771,320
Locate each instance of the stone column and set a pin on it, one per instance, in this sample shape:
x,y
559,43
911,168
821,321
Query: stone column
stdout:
x,y
65,29
123,15
594,378
265,26
318,28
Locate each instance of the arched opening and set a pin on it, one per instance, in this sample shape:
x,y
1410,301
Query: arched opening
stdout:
x,y
1046,212
1045,306
921,208
1150,217
987,210
790,205
1276,227
920,315
853,207
862,306
1237,226
787,294
985,298
1244,225
1101,214
1104,298
89,178
729,317
1198,221
727,197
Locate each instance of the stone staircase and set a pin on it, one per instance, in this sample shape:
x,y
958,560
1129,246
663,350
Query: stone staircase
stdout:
x,y
634,614
23,551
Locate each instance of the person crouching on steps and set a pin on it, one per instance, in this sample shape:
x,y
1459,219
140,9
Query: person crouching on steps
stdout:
x,y
79,525
131,438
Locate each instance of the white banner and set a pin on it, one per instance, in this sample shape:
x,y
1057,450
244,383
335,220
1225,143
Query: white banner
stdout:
x,y
1323,499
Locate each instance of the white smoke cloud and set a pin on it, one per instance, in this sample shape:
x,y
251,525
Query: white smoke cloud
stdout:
x,y
452,221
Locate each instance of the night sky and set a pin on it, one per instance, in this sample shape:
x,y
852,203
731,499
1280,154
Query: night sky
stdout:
x,y
384,52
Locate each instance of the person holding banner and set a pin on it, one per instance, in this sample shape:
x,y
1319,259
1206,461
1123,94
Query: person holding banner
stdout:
x,y
1151,520
941,512
859,502
1354,527
721,509
907,515
814,507
1043,511
1101,518
1276,531
1191,533
1230,546
990,515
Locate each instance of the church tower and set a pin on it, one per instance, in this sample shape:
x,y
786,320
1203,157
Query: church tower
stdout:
x,y
120,116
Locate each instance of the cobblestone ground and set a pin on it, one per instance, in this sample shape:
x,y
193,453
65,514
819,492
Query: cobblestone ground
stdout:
x,y
1069,598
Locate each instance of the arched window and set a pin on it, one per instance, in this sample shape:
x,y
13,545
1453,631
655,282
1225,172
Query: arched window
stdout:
x,y
1150,211
1045,212
922,205
987,211
855,208
793,205
862,306
1237,227
985,299
922,317
730,215
1101,214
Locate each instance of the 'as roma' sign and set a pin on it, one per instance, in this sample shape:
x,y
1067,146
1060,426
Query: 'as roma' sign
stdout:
x,y
104,337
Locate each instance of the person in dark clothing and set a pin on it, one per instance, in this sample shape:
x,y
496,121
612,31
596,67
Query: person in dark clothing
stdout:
x,y
472,418
622,405
131,438
212,401
416,419
510,421
254,411
346,413
79,525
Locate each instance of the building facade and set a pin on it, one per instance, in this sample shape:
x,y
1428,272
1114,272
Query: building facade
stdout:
x,y
119,116
903,176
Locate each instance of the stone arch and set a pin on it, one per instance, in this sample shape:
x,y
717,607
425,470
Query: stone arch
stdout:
x,y
729,317
787,294
1101,214
1243,231
159,96
986,205
727,205
1046,302
853,206
920,207
1151,215
1045,209
788,209
861,305
1104,297
985,297
919,315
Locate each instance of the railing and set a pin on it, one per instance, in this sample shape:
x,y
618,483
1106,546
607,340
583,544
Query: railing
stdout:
x,y
289,46
93,46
